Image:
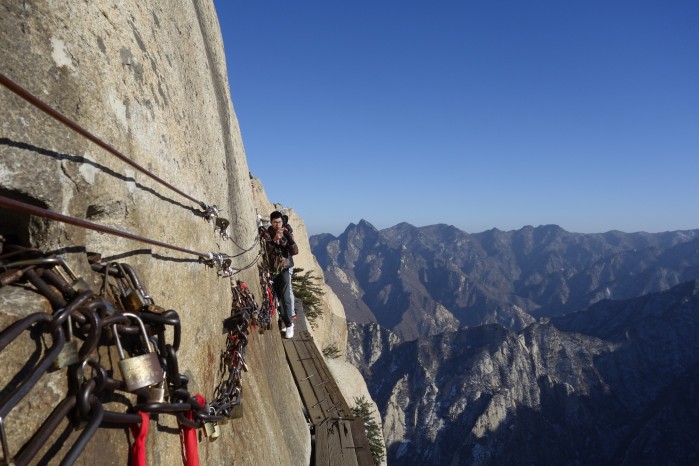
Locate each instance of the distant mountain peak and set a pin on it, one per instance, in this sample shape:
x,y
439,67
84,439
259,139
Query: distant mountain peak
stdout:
x,y
364,224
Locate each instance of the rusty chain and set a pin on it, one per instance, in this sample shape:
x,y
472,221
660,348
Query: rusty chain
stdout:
x,y
125,316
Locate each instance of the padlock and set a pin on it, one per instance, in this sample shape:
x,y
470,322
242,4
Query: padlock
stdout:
x,y
132,298
155,309
154,393
222,223
77,283
212,430
133,301
139,371
243,364
237,410
69,353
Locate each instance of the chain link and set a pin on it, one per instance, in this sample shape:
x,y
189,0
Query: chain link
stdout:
x,y
92,320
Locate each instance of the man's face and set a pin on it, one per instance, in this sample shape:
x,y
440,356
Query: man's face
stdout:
x,y
277,224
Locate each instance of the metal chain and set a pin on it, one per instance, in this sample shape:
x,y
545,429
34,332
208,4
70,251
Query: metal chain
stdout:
x,y
124,315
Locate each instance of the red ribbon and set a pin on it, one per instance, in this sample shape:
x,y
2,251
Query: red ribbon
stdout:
x,y
138,449
188,438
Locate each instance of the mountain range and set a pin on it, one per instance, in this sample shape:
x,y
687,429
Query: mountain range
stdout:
x,y
427,280
536,346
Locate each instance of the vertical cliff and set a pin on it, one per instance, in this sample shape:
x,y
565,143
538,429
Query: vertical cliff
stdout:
x,y
150,80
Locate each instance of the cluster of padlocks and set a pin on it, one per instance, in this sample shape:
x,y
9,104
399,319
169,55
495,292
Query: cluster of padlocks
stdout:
x,y
84,325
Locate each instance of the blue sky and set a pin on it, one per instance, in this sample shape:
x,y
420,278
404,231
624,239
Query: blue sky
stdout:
x,y
480,114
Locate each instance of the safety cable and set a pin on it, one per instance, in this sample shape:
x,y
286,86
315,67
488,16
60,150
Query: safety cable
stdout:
x,y
26,95
51,215
245,267
255,242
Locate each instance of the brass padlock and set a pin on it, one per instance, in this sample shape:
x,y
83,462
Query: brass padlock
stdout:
x,y
77,283
155,309
237,410
212,430
222,223
69,353
139,371
132,298
156,393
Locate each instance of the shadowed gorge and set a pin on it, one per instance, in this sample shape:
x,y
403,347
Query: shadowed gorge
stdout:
x,y
535,346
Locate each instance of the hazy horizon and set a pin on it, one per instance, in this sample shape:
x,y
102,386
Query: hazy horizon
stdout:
x,y
338,233
479,114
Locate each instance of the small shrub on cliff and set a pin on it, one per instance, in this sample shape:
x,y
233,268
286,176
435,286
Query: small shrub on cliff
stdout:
x,y
331,351
373,432
307,289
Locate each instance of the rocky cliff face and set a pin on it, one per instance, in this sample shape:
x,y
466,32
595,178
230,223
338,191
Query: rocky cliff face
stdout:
x,y
614,384
150,80
423,281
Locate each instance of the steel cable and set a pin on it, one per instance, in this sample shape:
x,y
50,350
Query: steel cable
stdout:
x,y
26,95
51,215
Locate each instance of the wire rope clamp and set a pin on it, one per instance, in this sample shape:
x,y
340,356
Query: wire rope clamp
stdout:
x,y
210,212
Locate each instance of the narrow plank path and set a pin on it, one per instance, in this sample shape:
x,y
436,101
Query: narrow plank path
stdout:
x,y
338,436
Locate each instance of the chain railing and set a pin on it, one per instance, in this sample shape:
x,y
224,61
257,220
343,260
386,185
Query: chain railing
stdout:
x,y
123,316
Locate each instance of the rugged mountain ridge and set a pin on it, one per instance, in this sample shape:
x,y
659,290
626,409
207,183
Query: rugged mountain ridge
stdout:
x,y
420,281
615,384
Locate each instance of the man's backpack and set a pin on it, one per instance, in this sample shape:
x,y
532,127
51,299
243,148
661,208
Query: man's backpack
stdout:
x,y
285,221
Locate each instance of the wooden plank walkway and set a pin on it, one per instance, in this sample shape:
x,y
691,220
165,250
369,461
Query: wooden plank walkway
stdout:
x,y
340,438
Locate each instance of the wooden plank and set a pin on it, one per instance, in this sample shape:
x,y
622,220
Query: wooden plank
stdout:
x,y
304,345
336,406
314,363
346,441
308,395
334,444
322,453
361,443
340,438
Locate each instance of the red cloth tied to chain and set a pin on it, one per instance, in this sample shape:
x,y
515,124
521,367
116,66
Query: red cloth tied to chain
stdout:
x,y
188,438
270,298
139,432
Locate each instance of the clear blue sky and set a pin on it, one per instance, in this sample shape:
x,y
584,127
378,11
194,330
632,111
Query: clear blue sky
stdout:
x,y
479,114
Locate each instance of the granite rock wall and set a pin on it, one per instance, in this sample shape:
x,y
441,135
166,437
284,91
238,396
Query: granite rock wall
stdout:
x,y
150,79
